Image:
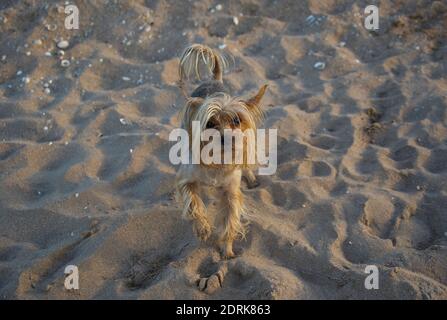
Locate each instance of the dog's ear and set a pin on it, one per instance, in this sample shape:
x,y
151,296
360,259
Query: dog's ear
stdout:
x,y
255,101
254,105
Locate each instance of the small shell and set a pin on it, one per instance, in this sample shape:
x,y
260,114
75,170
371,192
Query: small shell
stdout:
x,y
65,63
51,27
310,19
319,65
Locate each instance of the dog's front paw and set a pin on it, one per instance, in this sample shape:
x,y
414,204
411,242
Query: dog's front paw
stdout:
x,y
228,254
251,184
202,230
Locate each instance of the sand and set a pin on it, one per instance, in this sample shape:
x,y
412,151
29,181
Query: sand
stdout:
x,y
85,177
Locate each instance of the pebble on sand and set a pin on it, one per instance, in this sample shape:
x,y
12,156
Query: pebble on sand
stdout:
x,y
63,44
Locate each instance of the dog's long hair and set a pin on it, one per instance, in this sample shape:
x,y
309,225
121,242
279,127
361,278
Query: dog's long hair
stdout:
x,y
209,103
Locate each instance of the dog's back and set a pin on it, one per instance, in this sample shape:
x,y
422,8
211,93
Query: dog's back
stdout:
x,y
209,88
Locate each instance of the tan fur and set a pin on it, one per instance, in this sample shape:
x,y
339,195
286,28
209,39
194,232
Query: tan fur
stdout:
x,y
220,110
198,54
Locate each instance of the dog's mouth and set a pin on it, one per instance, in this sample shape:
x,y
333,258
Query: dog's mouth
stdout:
x,y
228,152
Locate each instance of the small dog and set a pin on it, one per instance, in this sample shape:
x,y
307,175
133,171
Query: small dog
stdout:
x,y
211,104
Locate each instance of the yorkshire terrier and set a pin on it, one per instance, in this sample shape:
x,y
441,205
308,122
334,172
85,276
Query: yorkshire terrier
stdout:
x,y
211,105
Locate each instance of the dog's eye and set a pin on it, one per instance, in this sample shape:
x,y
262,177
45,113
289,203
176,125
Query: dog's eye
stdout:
x,y
236,122
210,125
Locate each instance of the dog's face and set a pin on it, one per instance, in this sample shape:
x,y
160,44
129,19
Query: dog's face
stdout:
x,y
226,116
232,118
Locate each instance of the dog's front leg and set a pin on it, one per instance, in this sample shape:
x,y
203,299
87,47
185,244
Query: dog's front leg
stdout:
x,y
230,206
194,209
250,177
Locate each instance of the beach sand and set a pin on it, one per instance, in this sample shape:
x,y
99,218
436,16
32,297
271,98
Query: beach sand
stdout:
x,y
85,177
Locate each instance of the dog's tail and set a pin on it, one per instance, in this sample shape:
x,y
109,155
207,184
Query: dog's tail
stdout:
x,y
197,57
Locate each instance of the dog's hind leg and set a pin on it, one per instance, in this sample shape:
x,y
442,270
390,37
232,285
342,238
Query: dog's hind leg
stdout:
x,y
194,209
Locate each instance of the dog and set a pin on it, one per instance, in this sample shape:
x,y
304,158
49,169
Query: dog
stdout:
x,y
212,105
